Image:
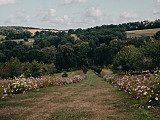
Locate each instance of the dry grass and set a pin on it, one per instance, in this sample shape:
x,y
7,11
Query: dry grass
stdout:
x,y
33,31
141,33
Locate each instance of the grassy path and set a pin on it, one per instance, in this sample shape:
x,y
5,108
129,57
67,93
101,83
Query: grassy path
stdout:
x,y
92,99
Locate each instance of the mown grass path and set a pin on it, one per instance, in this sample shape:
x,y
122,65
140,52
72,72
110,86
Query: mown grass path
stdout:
x,y
92,99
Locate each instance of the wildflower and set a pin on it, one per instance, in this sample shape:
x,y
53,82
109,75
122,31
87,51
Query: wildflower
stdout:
x,y
149,107
145,93
156,98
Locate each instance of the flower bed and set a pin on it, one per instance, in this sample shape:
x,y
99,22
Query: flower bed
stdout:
x,y
145,88
21,85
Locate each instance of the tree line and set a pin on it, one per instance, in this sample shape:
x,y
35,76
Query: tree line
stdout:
x,y
104,45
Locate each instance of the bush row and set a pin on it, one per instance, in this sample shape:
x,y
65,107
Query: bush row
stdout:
x,y
21,84
145,88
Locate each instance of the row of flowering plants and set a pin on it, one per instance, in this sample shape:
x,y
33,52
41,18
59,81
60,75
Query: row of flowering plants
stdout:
x,y
21,84
145,88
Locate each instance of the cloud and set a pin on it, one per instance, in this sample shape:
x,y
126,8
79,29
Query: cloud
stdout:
x,y
5,2
74,1
55,20
128,16
49,15
52,12
91,17
94,12
20,17
156,10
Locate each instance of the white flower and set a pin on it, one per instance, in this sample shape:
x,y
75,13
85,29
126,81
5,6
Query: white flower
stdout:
x,y
156,98
149,106
145,93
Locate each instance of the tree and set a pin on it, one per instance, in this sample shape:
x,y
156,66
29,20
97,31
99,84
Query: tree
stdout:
x,y
157,35
114,47
65,57
34,54
49,54
10,45
151,56
82,52
12,68
101,55
35,69
2,58
127,59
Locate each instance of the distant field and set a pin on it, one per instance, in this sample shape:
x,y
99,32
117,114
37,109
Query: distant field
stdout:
x,y
33,31
142,33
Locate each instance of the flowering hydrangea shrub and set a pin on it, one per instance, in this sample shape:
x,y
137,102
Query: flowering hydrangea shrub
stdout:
x,y
21,84
145,88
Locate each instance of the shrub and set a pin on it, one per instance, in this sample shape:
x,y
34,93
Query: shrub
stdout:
x,y
96,69
64,74
84,69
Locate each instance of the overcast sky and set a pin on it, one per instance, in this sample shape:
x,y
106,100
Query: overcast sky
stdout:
x,y
72,14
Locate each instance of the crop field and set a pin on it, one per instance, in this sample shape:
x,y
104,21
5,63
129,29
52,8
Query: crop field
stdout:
x,y
141,33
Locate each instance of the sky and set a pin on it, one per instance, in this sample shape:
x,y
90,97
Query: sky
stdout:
x,y
73,14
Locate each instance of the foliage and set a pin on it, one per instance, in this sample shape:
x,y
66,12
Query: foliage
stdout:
x,y
157,35
14,68
96,69
128,59
65,57
64,74
151,56
84,69
99,46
